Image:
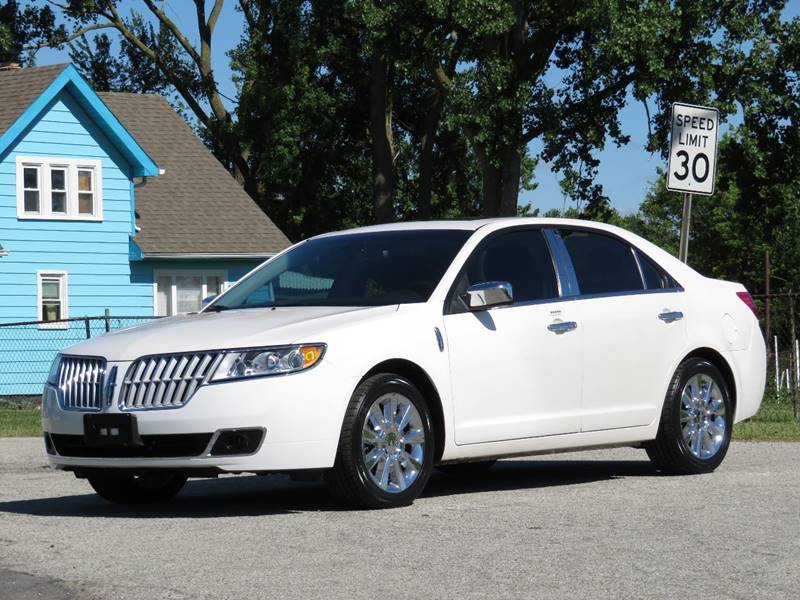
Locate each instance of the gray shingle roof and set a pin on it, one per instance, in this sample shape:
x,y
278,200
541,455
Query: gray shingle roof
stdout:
x,y
195,207
19,88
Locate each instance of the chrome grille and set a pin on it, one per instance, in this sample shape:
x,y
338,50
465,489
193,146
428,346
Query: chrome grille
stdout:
x,y
80,382
166,381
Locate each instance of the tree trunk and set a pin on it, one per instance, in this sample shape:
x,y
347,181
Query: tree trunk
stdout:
x,y
500,184
382,141
430,126
492,190
510,192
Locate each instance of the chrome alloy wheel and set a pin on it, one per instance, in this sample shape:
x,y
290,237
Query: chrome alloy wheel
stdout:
x,y
393,442
703,419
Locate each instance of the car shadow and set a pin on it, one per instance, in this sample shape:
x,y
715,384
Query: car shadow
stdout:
x,y
254,496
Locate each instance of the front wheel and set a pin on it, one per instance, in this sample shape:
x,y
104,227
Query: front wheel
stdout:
x,y
146,488
696,421
386,446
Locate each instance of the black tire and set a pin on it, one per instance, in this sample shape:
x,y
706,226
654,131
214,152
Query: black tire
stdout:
x,y
349,480
669,451
147,488
466,469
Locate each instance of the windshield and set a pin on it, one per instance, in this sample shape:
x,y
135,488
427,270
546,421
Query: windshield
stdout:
x,y
359,269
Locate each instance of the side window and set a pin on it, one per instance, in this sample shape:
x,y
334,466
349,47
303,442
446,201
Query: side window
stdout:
x,y
520,257
603,264
654,276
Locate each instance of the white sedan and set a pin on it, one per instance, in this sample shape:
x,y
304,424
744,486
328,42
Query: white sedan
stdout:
x,y
369,357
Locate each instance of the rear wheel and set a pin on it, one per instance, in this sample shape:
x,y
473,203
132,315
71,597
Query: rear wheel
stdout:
x,y
385,454
696,421
146,488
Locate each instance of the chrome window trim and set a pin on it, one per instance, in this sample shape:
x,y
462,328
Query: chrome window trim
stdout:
x,y
639,266
586,297
564,261
672,290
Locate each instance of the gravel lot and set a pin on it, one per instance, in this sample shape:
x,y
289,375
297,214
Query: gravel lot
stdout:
x,y
600,524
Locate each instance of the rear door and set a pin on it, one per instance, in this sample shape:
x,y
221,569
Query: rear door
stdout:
x,y
633,329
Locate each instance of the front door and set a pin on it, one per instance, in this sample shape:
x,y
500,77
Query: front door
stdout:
x,y
515,370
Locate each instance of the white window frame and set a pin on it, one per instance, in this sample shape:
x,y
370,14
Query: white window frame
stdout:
x,y
63,287
71,165
222,274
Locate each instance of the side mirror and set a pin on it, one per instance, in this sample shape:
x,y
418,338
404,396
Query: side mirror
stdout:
x,y
488,294
208,300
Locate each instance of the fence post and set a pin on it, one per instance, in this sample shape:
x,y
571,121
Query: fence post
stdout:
x,y
767,303
107,316
88,329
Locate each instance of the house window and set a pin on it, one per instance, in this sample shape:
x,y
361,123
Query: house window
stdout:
x,y
52,298
49,188
30,185
85,193
58,190
183,291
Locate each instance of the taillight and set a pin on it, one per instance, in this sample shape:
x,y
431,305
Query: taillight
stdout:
x,y
748,299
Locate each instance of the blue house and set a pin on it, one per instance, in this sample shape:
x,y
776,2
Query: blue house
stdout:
x,y
109,201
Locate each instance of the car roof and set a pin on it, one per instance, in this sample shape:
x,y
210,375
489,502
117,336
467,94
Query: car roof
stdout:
x,y
473,225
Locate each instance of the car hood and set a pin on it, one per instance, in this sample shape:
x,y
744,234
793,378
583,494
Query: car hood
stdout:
x,y
227,329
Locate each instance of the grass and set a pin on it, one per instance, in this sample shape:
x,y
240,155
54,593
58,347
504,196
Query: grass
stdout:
x,y
23,422
774,422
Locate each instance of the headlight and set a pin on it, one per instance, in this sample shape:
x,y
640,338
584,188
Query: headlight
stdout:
x,y
259,362
52,377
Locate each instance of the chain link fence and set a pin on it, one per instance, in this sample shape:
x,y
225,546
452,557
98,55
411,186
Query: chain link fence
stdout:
x,y
27,349
779,321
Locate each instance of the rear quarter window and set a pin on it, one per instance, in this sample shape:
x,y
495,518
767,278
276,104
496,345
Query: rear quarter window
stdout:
x,y
654,276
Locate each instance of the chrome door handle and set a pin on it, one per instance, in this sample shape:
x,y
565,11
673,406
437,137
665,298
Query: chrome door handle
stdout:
x,y
562,326
670,316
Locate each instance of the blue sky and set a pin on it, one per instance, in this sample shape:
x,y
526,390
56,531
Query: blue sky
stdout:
x,y
624,172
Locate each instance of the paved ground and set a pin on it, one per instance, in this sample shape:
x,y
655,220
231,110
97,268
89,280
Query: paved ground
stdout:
x,y
592,525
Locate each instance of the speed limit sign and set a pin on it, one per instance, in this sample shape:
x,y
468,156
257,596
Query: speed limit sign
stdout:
x,y
693,149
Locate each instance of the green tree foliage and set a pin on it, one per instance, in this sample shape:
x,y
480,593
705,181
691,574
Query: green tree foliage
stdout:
x,y
24,30
109,69
756,204
351,111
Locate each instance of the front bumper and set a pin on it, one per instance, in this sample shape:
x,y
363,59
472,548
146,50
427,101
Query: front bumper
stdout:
x,y
301,414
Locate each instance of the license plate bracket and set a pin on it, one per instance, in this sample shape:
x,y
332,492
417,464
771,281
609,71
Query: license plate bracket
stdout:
x,y
111,430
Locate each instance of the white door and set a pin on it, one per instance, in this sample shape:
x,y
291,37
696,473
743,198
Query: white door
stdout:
x,y
515,370
633,331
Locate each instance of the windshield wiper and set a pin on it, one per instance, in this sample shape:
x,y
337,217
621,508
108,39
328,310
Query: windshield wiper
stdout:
x,y
216,308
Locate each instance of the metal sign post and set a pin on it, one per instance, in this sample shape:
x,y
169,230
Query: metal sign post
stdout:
x,y
686,218
692,165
